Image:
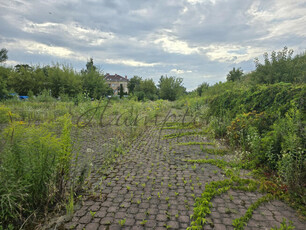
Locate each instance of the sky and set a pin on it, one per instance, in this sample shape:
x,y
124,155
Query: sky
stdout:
x,y
197,40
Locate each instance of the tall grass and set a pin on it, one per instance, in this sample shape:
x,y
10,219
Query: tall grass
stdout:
x,y
34,167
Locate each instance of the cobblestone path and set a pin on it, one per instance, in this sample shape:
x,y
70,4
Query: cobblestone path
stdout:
x,y
151,187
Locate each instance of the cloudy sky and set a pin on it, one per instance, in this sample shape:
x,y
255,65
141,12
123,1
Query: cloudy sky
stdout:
x,y
199,40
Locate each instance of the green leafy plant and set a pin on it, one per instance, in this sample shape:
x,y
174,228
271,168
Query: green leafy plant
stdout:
x,y
284,225
122,222
239,223
92,213
143,222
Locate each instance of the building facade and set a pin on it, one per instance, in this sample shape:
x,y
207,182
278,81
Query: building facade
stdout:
x,y
114,81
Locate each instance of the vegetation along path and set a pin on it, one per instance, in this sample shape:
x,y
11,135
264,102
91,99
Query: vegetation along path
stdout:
x,y
179,179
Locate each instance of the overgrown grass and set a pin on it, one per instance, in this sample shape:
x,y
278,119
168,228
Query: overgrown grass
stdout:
x,y
35,167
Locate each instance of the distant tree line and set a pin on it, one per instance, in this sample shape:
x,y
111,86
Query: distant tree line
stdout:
x,y
63,81
57,80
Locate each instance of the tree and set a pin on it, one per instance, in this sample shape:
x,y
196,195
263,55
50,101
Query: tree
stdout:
x,y
121,93
93,81
280,67
144,89
149,89
4,75
90,66
201,88
234,75
22,80
3,55
61,80
3,90
170,88
133,83
24,67
298,68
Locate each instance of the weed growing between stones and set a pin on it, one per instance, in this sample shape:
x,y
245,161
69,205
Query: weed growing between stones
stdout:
x,y
241,222
284,225
203,204
122,222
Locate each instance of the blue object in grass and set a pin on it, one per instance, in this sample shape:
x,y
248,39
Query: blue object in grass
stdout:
x,y
23,97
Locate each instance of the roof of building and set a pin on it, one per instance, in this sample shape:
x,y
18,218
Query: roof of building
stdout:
x,y
116,78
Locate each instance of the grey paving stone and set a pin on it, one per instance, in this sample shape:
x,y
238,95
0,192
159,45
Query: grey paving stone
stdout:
x,y
92,226
85,219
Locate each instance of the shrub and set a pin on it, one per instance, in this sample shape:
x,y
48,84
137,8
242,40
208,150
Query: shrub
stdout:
x,y
239,131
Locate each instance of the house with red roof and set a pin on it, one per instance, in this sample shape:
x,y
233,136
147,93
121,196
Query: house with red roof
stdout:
x,y
115,81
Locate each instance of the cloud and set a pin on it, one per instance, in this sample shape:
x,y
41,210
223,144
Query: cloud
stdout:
x,y
200,1
93,37
232,53
173,45
37,48
180,71
282,19
130,63
11,63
